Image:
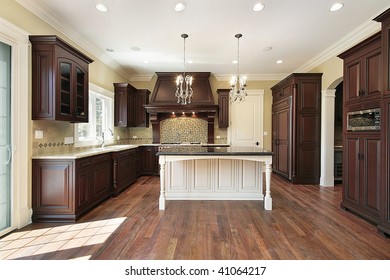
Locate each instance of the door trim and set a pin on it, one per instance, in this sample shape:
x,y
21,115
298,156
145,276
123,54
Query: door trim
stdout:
x,y
20,123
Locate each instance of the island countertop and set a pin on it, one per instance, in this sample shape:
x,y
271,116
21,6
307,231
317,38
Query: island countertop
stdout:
x,y
208,150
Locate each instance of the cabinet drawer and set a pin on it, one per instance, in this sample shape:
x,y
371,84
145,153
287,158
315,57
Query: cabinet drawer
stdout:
x,y
101,158
83,163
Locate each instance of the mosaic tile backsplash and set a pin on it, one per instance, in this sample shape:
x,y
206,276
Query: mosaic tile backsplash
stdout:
x,y
183,130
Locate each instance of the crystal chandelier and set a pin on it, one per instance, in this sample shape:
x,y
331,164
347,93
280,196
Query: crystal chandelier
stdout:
x,y
238,83
183,82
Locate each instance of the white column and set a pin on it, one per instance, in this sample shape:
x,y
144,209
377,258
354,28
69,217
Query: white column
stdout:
x,y
162,183
327,137
268,198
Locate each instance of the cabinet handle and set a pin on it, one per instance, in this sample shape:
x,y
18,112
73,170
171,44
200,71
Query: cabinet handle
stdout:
x,y
360,156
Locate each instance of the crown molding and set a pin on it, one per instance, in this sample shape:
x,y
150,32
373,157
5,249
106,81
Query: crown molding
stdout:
x,y
360,33
49,17
141,77
252,77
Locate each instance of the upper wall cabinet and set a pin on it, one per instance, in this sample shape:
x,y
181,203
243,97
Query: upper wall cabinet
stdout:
x,y
59,80
129,106
363,72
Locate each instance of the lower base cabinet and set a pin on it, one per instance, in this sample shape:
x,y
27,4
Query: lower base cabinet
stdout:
x,y
124,168
149,160
63,190
362,176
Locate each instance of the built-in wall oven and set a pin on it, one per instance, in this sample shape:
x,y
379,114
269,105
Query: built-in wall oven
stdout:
x,y
364,120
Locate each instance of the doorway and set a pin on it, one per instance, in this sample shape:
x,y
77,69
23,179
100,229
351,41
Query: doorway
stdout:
x,y
5,138
338,134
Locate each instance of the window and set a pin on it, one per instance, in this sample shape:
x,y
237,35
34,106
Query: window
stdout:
x,y
101,112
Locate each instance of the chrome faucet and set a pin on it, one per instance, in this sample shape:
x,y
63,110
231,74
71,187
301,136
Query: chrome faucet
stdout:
x,y
103,142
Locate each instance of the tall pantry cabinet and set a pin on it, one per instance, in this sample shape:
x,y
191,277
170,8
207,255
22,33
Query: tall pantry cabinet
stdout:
x,y
384,225
361,146
296,127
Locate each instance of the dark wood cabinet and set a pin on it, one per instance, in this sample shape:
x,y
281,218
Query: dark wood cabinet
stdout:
x,y
363,71
59,80
223,108
129,106
384,225
296,127
149,160
362,179
124,170
141,117
281,144
63,190
362,164
123,102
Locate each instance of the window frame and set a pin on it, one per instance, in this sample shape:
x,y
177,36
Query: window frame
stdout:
x,y
96,91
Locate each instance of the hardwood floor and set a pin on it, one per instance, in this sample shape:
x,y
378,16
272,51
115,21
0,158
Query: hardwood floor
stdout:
x,y
306,223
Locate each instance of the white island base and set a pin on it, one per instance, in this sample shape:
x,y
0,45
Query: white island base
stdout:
x,y
201,177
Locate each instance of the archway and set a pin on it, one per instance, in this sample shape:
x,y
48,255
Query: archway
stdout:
x,y
327,178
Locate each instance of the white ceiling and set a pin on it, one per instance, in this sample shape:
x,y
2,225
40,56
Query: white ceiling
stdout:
x,y
303,33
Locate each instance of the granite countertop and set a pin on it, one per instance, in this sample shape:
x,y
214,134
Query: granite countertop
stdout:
x,y
85,152
183,150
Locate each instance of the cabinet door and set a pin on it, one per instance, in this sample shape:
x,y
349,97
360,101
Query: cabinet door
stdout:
x,y
351,170
121,103
83,189
372,76
81,94
223,108
352,83
141,117
370,158
282,141
52,189
101,177
149,160
65,73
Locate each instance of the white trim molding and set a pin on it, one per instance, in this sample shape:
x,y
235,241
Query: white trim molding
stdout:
x,y
327,137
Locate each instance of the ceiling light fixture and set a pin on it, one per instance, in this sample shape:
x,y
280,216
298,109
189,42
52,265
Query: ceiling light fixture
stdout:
x,y
180,7
101,7
238,83
184,90
279,61
258,7
336,7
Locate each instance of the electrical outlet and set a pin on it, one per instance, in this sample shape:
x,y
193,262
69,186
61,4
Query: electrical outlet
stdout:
x,y
38,134
68,140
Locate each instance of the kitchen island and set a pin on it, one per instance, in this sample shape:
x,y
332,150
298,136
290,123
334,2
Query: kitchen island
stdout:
x,y
204,172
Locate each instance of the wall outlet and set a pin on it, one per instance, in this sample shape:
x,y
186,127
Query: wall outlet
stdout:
x,y
38,134
118,137
265,133
218,137
68,140
135,137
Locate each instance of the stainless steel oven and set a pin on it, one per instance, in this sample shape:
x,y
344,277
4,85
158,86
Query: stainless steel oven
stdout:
x,y
364,120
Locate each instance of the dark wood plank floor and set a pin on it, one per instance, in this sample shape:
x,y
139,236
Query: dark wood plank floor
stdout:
x,y
306,223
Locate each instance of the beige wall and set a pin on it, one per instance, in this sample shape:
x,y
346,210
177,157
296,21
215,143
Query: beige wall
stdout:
x,y
104,76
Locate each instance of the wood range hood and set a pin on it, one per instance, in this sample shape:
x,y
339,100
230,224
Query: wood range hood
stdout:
x,y
163,102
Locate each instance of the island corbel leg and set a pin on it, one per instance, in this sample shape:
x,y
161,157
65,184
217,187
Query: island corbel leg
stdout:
x,y
268,198
162,183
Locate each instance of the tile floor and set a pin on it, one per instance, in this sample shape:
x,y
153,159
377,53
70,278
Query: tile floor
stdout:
x,y
22,244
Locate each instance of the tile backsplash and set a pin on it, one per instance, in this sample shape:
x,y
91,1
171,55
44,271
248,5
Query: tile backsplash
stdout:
x,y
183,130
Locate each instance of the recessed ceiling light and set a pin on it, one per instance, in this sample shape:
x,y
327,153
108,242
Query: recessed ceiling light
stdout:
x,y
234,61
180,7
258,7
101,7
190,61
336,7
146,61
279,61
267,49
110,50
